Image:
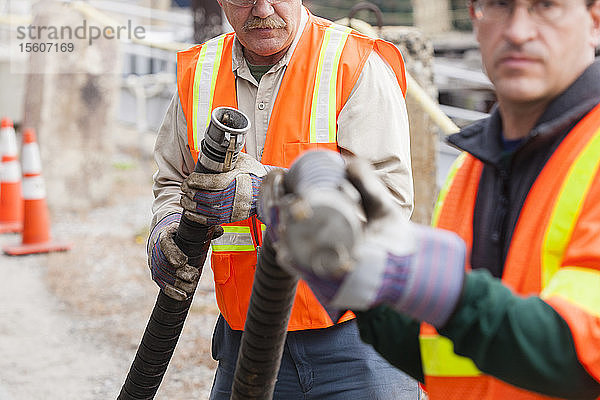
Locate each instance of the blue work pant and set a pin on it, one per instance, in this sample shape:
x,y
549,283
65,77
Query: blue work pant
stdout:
x,y
331,363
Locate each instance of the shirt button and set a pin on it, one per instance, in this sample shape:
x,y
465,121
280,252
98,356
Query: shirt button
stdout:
x,y
261,106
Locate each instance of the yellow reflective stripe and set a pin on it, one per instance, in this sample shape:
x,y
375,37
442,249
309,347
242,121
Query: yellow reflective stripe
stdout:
x,y
568,207
333,84
236,229
215,72
205,79
263,230
221,248
446,188
579,286
323,108
235,238
315,107
439,359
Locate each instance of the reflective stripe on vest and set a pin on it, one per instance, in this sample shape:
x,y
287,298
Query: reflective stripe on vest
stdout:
x,y
570,289
235,238
323,111
437,353
568,207
579,286
205,79
576,285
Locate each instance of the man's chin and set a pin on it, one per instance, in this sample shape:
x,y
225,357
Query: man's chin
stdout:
x,y
520,90
269,47
270,52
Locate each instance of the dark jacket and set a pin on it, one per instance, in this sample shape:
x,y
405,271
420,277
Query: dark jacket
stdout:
x,y
506,179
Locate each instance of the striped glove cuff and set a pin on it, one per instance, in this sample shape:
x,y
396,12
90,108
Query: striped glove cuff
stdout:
x,y
429,283
158,228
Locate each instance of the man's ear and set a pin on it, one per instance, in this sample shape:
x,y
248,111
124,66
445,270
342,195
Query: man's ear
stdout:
x,y
474,20
471,10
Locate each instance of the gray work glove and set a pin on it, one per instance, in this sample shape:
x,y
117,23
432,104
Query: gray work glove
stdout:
x,y
215,199
417,270
169,265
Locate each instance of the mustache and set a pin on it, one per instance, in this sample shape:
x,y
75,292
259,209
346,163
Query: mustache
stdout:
x,y
271,22
527,50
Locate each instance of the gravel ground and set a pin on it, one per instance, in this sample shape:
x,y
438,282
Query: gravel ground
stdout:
x,y
72,321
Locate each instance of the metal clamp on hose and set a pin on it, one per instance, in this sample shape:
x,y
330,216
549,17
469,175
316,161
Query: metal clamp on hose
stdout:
x,y
223,140
324,222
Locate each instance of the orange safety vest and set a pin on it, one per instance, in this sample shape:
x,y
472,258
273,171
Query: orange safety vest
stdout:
x,y
554,254
318,81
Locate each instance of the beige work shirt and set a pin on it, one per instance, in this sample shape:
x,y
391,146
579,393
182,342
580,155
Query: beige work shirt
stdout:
x,y
373,124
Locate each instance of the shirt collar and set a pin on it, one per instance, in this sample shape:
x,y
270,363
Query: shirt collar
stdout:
x,y
238,55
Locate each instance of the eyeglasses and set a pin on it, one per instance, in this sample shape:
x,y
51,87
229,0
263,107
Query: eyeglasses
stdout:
x,y
543,11
250,3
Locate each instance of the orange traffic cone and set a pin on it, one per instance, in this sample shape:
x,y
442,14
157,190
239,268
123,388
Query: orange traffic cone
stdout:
x,y
11,201
36,224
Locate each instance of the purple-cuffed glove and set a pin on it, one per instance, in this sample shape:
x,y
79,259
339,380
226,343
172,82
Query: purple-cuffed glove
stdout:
x,y
419,271
168,264
231,196
425,285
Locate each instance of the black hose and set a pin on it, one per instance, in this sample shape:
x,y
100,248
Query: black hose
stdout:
x,y
265,330
167,318
155,350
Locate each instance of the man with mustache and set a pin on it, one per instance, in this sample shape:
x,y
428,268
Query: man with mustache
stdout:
x,y
501,300
304,83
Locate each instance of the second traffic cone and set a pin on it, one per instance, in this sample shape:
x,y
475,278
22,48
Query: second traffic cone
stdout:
x,y
36,222
11,200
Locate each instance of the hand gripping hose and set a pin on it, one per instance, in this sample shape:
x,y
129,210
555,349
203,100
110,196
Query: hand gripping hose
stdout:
x,y
223,140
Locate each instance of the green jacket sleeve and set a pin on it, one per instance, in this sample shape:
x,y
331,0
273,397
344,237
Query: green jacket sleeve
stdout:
x,y
520,340
394,336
